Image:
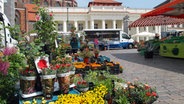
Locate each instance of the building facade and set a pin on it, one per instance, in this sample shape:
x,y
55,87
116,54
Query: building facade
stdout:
x,y
25,12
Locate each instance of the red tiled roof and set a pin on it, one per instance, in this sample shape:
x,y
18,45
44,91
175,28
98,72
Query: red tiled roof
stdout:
x,y
31,17
105,1
31,7
156,20
31,10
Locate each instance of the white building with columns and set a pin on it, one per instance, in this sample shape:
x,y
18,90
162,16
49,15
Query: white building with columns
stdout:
x,y
98,17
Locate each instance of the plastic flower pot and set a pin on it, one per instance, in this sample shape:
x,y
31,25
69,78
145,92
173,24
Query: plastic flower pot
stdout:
x,y
48,85
64,82
27,84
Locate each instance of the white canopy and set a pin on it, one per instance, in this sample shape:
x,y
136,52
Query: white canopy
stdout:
x,y
144,36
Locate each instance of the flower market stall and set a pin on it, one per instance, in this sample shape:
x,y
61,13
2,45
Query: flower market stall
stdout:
x,y
48,75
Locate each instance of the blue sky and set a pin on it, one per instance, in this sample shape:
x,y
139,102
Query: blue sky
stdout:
x,y
128,3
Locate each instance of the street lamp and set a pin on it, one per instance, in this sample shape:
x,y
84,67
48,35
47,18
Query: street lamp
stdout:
x,y
67,15
2,19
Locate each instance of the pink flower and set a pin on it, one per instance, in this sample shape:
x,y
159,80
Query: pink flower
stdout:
x,y
4,67
7,51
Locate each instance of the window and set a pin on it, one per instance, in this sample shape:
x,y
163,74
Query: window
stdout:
x,y
95,26
60,27
80,26
46,3
153,27
106,26
125,36
144,28
31,1
57,4
69,26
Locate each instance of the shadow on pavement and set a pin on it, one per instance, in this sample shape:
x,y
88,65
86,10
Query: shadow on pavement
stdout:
x,y
170,64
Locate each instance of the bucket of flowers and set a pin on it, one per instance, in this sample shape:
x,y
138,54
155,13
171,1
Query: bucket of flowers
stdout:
x,y
64,66
82,86
48,75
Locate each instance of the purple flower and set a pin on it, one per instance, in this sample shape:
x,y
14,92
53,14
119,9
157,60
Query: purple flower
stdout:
x,y
7,51
4,67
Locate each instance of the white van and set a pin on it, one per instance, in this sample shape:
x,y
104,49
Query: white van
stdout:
x,y
115,38
8,40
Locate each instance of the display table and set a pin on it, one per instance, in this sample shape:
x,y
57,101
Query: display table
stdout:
x,y
175,50
40,97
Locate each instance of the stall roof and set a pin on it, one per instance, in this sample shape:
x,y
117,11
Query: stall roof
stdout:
x,y
156,20
174,8
168,14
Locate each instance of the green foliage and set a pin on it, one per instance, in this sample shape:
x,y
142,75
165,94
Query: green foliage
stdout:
x,y
46,28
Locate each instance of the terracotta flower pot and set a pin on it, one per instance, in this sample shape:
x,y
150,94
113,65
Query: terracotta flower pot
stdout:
x,y
86,60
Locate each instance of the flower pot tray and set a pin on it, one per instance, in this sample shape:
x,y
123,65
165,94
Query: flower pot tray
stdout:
x,y
30,95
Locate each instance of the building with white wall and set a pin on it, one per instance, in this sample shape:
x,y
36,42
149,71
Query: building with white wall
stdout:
x,y
95,17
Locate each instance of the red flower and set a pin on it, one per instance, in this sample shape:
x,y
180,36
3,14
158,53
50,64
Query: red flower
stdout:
x,y
51,14
147,87
57,66
68,65
154,94
148,94
79,83
42,64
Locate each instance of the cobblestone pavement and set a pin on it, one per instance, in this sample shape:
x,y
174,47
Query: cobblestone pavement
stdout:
x,y
166,74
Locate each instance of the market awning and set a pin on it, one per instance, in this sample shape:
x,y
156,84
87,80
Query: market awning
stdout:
x,y
174,8
156,20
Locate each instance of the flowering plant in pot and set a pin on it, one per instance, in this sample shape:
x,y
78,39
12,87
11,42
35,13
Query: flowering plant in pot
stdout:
x,y
11,61
86,54
82,85
96,52
48,75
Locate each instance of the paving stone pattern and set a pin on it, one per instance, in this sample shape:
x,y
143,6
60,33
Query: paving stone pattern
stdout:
x,y
166,74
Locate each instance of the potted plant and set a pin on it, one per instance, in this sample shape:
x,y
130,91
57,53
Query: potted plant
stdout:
x,y
86,54
48,75
11,61
64,66
96,52
82,86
